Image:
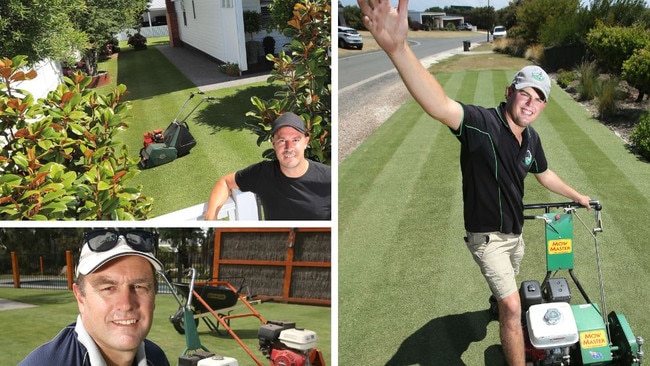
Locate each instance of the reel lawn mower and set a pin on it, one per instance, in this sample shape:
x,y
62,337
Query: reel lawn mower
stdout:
x,y
558,333
281,342
161,147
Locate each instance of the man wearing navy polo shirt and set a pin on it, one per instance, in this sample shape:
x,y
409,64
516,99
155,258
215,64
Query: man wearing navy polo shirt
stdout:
x,y
498,149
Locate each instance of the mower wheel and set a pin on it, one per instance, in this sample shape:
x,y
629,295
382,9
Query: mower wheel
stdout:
x,y
179,326
178,323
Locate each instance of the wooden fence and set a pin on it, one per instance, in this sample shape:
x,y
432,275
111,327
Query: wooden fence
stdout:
x,y
286,264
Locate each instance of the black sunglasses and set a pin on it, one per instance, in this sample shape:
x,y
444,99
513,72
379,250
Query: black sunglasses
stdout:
x,y
102,240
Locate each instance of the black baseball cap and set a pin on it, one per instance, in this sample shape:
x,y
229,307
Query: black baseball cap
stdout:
x,y
289,119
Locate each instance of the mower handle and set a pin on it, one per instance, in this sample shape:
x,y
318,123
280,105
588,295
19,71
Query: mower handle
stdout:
x,y
595,204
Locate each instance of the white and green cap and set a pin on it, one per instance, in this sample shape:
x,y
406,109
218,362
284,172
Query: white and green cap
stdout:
x,y
533,76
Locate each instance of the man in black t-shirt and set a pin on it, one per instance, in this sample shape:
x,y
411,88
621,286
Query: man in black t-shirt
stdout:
x,y
498,149
291,187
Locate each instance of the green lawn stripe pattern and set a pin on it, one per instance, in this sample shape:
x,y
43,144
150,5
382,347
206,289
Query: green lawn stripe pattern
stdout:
x,y
402,262
616,193
157,91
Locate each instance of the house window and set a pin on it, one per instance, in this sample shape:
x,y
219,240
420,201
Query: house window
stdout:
x,y
184,13
266,13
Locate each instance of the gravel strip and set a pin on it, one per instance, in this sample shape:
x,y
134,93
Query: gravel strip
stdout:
x,y
364,108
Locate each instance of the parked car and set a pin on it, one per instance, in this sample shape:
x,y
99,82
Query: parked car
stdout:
x,y
350,38
499,31
465,26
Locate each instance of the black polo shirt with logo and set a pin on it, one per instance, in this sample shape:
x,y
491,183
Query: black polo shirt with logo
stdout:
x,y
494,167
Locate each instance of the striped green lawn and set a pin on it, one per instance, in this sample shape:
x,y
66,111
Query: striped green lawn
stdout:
x,y
157,90
409,291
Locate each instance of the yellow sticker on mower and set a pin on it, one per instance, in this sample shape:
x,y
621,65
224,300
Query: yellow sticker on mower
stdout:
x,y
593,339
560,246
216,296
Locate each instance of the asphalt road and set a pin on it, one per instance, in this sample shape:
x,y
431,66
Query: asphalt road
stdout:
x,y
370,89
364,66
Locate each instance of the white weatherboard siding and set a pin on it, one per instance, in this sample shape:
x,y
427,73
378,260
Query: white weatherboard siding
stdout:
x,y
213,28
49,76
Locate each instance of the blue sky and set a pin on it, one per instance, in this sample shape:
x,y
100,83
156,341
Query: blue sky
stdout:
x,y
425,4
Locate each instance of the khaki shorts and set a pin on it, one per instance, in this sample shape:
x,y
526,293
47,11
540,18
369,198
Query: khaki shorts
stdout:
x,y
499,256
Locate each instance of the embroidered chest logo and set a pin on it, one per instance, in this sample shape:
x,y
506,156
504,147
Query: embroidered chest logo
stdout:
x,y
528,159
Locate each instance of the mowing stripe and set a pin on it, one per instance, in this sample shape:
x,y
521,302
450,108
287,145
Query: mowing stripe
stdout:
x,y
376,150
579,144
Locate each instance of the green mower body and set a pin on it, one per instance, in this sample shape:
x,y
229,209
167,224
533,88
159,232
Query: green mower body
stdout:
x,y
600,340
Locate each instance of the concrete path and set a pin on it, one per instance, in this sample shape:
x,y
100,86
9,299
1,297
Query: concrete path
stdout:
x,y
204,71
12,305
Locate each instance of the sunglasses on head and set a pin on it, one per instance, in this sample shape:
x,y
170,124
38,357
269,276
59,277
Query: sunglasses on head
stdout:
x,y
102,240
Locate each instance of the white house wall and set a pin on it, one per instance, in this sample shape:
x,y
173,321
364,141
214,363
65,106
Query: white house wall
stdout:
x,y
216,27
48,76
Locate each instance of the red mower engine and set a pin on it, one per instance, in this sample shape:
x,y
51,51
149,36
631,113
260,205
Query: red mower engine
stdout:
x,y
286,357
152,137
285,345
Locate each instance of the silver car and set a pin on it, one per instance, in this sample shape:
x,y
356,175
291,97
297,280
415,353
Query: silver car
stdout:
x,y
350,38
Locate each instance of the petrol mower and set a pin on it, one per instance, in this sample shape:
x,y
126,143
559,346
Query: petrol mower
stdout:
x,y
556,332
281,342
161,147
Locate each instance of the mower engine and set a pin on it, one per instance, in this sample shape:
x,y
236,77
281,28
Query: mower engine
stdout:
x,y
552,331
285,345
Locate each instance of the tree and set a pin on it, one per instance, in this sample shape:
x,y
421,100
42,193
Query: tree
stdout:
x,y
483,18
281,13
535,16
252,22
353,17
622,13
30,243
100,20
58,28
305,77
567,28
43,29
507,16
188,241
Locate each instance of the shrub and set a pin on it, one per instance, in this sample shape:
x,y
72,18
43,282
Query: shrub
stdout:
x,y
613,45
252,22
510,46
640,136
535,53
565,78
608,94
60,160
230,69
636,71
588,81
305,79
137,41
